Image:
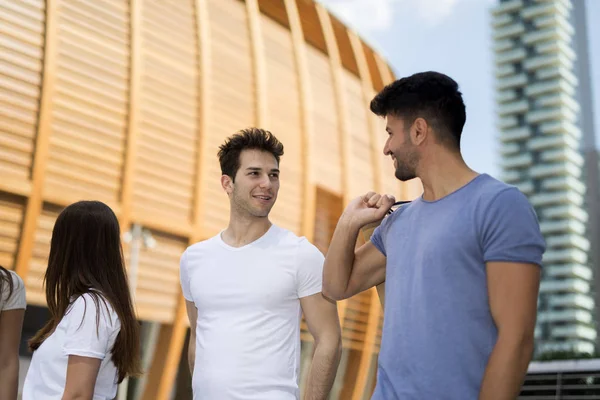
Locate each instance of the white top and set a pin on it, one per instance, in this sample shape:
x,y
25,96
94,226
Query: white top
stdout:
x,y
248,301
16,301
76,334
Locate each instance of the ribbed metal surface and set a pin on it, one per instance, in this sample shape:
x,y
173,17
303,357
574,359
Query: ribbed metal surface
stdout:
x,y
562,386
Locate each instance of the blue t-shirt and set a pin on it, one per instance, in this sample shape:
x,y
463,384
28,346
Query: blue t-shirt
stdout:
x,y
438,330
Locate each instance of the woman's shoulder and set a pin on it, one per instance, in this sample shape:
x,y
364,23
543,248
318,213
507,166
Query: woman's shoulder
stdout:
x,y
17,299
93,305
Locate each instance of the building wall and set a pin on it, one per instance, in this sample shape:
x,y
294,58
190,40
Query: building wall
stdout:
x,y
127,103
591,173
540,145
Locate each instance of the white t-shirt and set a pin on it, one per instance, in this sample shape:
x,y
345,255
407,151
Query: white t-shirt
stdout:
x,y
16,301
248,301
76,334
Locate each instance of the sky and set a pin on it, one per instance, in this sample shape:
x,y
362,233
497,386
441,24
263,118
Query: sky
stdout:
x,y
453,37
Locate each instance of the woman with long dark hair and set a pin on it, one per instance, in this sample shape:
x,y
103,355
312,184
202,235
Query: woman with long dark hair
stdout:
x,y
91,342
12,311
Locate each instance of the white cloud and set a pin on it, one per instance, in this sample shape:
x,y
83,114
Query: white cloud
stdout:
x,y
378,15
434,12
363,15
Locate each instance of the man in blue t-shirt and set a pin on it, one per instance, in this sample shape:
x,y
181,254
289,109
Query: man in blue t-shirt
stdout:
x,y
461,263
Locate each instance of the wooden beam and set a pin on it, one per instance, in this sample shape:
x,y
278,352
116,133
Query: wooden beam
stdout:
x,y
309,198
335,64
42,143
366,357
384,71
165,361
135,87
163,371
367,89
204,107
259,62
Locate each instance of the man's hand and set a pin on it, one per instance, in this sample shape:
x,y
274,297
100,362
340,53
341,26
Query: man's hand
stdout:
x,y
347,272
368,208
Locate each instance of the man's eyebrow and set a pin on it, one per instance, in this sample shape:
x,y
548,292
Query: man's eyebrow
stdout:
x,y
260,169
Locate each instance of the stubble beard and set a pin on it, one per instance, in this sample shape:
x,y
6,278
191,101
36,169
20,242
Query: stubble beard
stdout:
x,y
243,207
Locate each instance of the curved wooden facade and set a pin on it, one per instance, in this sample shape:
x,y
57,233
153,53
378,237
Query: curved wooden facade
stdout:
x,y
127,101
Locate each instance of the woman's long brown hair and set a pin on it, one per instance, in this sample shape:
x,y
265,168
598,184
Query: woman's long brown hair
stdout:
x,y
86,256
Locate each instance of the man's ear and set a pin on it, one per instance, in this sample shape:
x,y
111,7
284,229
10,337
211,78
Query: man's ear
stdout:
x,y
419,131
227,184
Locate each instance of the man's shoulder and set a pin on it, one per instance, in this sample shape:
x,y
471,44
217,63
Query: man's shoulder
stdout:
x,y
300,243
202,246
492,190
290,237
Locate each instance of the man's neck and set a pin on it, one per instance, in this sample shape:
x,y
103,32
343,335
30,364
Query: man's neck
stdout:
x,y
242,231
445,174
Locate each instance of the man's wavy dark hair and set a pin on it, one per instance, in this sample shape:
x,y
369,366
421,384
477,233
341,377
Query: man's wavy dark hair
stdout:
x,y
430,95
247,139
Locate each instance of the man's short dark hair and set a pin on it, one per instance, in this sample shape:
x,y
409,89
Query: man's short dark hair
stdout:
x,y
430,95
247,139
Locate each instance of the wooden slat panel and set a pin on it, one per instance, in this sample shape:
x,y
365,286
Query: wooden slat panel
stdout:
x,y
231,110
47,54
360,164
276,10
259,67
39,258
326,149
368,363
328,211
11,218
366,91
285,123
165,161
157,288
311,28
90,106
379,331
329,208
356,317
163,371
307,125
376,80
21,47
344,46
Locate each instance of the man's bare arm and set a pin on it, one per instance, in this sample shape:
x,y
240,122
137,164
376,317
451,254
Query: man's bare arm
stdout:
x,y
347,272
192,313
324,325
513,291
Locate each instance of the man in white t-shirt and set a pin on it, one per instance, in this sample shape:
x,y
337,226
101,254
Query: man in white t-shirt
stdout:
x,y
247,287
